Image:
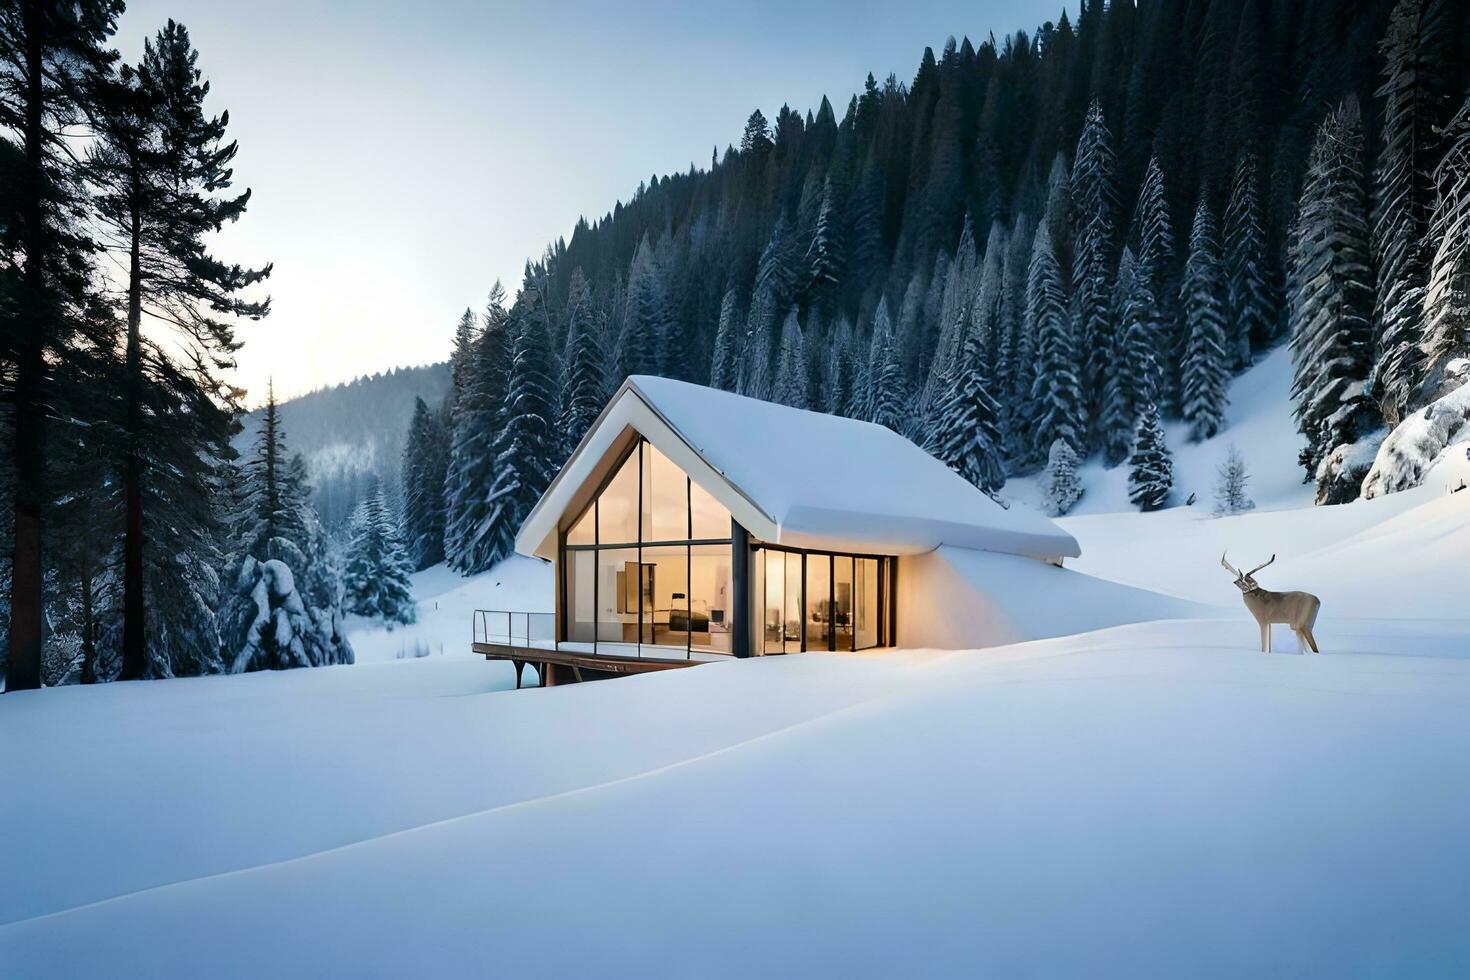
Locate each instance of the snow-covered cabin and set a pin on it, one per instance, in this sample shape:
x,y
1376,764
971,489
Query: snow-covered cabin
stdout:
x,y
694,524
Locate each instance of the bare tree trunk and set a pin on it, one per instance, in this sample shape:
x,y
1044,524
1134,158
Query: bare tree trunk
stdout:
x,y
134,642
26,624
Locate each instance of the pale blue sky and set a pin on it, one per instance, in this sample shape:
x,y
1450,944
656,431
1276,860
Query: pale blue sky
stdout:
x,y
405,154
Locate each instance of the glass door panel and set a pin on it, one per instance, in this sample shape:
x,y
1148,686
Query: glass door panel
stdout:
x,y
773,616
793,612
842,603
581,614
865,603
818,602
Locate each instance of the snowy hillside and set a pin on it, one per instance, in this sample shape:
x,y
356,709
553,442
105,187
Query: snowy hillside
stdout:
x,y
1154,799
446,602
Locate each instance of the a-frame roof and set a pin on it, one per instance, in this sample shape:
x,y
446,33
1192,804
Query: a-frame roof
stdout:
x,y
792,477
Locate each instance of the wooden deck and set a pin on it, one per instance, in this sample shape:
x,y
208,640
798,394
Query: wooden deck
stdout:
x,y
555,666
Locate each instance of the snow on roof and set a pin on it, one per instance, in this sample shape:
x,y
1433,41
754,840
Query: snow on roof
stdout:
x,y
806,479
823,477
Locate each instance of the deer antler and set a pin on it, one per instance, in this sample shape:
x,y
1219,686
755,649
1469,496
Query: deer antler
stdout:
x,y
1261,565
1228,567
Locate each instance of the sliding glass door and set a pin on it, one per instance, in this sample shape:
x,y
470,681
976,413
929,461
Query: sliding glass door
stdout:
x,y
815,601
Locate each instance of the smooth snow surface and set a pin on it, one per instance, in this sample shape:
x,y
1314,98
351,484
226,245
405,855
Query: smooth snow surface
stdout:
x,y
1154,800
807,479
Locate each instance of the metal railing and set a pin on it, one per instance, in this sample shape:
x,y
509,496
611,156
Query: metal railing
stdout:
x,y
515,628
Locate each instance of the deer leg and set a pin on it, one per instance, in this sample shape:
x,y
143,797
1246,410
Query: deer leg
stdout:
x,y
1311,640
1301,643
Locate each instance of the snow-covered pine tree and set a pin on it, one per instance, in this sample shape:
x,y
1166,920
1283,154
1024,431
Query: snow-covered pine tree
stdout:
x,y
1154,231
841,386
645,317
1059,484
284,590
1331,295
525,447
886,398
793,381
375,578
824,255
1151,469
1206,371
755,376
1413,102
724,368
1094,247
425,457
473,427
583,389
1057,215
1251,310
1056,401
1012,374
966,436
985,313
462,352
1447,299
1231,480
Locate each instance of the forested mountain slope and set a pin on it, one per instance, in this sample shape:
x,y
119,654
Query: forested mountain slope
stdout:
x,y
1043,247
353,433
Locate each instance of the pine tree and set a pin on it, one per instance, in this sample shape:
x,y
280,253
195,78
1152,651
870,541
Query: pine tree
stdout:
x,y
1403,198
1060,485
1252,312
425,458
161,164
474,426
793,384
1230,485
724,371
1095,236
887,397
1056,395
1151,470
48,51
524,446
824,255
1447,299
583,385
967,436
375,578
1155,257
842,385
645,317
1331,294
462,353
1206,372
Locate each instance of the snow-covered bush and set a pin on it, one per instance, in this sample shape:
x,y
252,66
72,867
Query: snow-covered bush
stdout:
x,y
1340,473
1231,480
1059,483
269,626
1416,442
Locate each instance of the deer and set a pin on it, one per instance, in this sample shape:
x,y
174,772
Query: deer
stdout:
x,y
1296,609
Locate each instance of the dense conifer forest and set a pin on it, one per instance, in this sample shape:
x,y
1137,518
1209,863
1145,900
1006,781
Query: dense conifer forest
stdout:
x,y
1031,253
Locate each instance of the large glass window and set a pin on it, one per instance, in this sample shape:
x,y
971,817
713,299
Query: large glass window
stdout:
x,y
842,602
581,599
657,594
709,597
774,618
